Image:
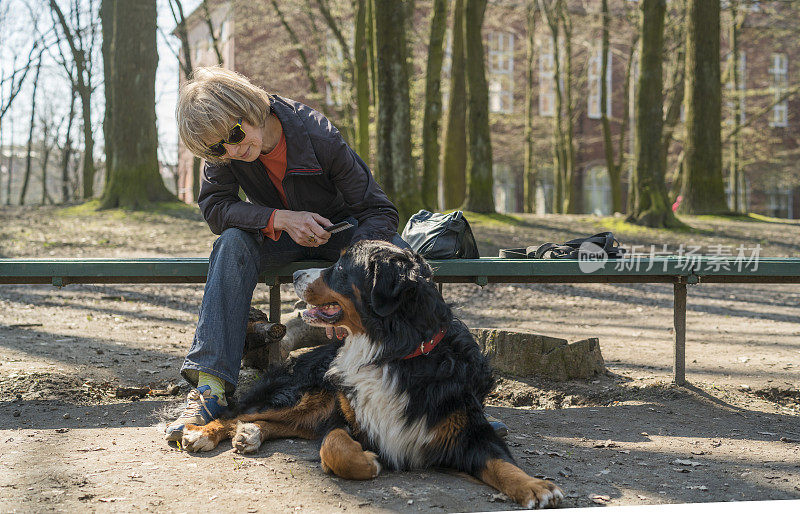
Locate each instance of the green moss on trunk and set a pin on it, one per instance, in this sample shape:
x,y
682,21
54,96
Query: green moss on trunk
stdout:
x,y
433,107
454,180
703,188
651,206
134,181
480,194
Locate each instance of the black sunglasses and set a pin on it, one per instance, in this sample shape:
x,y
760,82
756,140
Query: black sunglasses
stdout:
x,y
235,136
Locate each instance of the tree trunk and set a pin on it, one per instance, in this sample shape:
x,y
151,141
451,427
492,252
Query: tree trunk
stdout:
x,y
394,117
736,176
46,149
107,23
83,76
433,107
88,141
673,114
651,206
27,177
608,144
703,188
134,178
67,151
480,184
626,118
529,169
559,155
373,73
10,162
362,80
573,192
454,160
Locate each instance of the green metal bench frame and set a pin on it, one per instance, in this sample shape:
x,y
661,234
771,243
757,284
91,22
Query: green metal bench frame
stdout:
x,y
678,271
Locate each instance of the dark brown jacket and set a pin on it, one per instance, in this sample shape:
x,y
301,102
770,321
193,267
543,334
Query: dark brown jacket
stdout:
x,y
323,175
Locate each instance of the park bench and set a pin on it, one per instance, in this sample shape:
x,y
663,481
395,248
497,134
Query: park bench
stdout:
x,y
679,271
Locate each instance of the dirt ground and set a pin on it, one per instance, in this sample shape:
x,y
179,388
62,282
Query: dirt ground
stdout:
x,y
67,443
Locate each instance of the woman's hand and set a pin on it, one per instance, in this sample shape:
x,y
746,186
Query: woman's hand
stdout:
x,y
305,228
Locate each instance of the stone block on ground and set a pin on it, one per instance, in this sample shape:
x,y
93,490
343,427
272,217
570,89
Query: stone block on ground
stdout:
x,y
526,354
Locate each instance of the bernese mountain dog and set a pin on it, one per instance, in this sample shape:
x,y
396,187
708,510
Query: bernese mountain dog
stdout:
x,y
404,390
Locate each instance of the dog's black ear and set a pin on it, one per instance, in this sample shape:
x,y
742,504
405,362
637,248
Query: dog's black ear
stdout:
x,y
394,282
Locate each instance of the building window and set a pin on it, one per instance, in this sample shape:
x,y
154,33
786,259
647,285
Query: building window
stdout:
x,y
501,72
594,71
505,188
779,203
547,83
745,191
779,79
597,188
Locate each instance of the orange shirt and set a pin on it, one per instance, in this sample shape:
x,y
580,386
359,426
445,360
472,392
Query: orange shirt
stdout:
x,y
275,162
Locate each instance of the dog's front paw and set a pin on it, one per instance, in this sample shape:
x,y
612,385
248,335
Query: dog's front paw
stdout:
x,y
372,464
195,439
346,458
247,438
537,494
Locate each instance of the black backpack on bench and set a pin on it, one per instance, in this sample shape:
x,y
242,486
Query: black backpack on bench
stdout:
x,y
435,235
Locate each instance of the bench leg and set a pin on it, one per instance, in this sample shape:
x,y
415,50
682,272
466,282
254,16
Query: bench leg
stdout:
x,y
679,319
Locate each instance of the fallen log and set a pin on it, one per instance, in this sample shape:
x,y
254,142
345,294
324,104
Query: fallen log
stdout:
x,y
262,341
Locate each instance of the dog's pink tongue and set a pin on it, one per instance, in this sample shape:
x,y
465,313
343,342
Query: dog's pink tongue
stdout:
x,y
313,312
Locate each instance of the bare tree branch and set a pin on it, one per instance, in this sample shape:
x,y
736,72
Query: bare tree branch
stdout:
x,y
214,37
16,79
183,35
787,95
312,82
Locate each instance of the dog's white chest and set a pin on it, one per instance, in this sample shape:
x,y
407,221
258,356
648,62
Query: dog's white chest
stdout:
x,y
379,406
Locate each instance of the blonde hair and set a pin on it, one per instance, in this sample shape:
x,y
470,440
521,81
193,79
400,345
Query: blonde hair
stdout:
x,y
211,103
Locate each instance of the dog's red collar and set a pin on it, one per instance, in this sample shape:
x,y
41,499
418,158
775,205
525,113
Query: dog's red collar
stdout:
x,y
426,346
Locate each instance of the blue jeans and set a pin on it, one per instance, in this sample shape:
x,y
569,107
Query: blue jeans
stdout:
x,y
236,261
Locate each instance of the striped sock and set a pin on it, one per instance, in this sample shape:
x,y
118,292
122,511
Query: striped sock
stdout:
x,y
217,384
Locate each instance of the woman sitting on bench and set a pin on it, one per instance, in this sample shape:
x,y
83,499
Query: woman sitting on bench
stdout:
x,y
299,176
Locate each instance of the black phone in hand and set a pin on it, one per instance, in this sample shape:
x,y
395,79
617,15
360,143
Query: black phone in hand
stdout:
x,y
338,227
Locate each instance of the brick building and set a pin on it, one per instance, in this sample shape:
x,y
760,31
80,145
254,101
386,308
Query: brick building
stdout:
x,y
254,42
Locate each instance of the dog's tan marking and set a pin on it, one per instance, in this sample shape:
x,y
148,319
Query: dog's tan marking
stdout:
x,y
318,293
249,436
348,412
346,458
446,432
311,408
527,491
207,437
297,421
